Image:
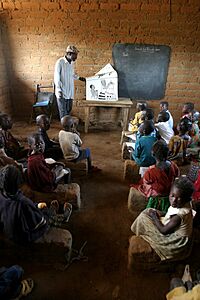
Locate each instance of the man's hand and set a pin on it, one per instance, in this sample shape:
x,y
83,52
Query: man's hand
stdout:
x,y
82,79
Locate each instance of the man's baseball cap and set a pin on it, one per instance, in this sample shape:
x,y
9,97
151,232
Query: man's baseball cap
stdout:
x,y
72,49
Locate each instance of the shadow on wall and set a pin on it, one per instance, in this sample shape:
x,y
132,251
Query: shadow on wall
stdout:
x,y
21,95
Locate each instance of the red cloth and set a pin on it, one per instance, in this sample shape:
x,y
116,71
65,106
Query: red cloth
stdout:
x,y
40,177
196,194
157,182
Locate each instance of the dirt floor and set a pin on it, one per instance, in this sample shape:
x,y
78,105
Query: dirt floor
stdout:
x,y
104,222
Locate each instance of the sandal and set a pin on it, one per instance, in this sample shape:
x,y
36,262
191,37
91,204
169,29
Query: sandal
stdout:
x,y
27,286
54,206
67,211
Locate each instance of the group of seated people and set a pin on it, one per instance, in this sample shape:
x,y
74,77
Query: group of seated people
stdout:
x,y
22,220
143,132
167,222
41,166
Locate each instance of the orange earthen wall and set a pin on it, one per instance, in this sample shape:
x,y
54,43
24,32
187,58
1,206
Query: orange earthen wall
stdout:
x,y
37,33
5,103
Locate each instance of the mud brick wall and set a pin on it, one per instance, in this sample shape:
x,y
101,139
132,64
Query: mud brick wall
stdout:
x,y
5,100
36,33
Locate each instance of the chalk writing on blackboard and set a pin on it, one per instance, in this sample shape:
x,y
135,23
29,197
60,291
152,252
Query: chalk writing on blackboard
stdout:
x,y
142,70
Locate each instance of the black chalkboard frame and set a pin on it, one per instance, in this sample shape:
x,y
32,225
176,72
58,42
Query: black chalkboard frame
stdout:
x,y
142,70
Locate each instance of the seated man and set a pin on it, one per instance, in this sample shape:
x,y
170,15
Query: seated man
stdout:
x,y
52,149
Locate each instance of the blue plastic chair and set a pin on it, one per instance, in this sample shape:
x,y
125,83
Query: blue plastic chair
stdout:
x,y
43,101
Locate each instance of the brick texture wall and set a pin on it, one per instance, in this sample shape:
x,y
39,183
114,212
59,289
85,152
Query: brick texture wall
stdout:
x,y
37,33
5,103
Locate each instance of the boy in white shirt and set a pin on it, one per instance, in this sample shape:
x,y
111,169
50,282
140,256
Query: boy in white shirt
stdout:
x,y
164,129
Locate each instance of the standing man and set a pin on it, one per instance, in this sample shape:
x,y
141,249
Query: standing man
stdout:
x,y
64,80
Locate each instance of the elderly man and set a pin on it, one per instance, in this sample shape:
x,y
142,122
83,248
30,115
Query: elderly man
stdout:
x,y
64,80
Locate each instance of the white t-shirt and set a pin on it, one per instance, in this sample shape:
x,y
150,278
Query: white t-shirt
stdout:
x,y
70,143
166,132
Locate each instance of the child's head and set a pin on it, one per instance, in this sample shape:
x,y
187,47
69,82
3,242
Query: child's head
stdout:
x,y
10,180
141,106
146,127
181,192
147,114
42,121
195,116
164,105
184,126
188,108
160,150
68,123
36,143
163,116
5,122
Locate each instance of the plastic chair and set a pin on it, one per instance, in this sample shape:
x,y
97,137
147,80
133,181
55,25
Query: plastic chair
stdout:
x,y
44,101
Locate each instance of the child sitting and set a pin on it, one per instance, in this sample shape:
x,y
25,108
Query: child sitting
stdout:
x,y
187,110
6,160
142,154
171,236
41,177
164,106
23,222
52,149
157,180
12,146
194,132
70,144
164,129
134,124
179,143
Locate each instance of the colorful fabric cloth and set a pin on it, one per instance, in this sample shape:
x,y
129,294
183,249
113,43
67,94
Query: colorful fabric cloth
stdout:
x,y
134,124
142,153
196,194
40,177
157,182
159,203
175,245
177,147
180,293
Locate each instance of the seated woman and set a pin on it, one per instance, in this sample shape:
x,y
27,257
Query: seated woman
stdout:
x,y
157,180
169,236
12,146
23,222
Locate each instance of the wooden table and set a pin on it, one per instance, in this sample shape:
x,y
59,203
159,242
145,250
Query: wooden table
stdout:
x,y
124,104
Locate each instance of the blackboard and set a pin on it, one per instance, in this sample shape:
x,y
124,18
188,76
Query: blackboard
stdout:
x,y
142,70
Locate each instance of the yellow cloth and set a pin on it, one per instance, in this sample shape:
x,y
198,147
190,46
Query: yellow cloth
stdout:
x,y
180,293
133,125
